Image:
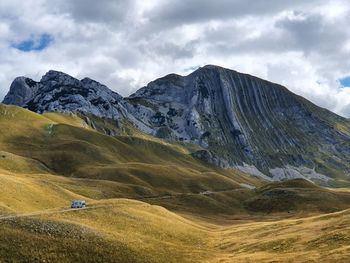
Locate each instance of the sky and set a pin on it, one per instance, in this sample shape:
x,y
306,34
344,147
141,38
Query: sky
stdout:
x,y
303,45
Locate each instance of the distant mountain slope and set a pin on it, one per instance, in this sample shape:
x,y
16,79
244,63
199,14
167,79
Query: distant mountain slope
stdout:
x,y
240,120
134,166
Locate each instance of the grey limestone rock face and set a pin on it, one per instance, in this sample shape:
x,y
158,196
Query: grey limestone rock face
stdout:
x,y
209,157
243,120
22,89
60,92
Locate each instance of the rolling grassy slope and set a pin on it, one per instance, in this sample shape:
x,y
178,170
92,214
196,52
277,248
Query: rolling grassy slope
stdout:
x,y
132,232
324,238
48,160
98,166
64,145
122,230
297,195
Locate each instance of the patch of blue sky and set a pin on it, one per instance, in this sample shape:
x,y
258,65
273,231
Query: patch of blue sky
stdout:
x,y
345,82
34,44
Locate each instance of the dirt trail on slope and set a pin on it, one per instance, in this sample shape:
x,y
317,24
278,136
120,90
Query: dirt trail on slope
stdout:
x,y
56,210
50,211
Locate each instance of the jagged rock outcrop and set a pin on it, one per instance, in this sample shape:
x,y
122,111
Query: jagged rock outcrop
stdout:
x,y
209,157
60,92
22,90
239,120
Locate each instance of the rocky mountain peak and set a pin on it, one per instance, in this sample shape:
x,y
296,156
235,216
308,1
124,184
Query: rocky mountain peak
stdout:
x,y
238,119
53,75
22,89
100,89
244,121
213,67
58,91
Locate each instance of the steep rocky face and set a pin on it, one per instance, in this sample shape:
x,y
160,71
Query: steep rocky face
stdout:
x,y
22,90
240,120
60,92
247,122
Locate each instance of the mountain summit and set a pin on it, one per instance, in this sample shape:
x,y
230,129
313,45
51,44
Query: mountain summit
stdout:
x,y
60,92
239,120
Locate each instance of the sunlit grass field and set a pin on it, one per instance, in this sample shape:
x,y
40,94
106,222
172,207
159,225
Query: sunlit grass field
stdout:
x,y
150,201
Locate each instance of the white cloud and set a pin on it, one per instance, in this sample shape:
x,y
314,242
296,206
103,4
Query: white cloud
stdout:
x,y
303,45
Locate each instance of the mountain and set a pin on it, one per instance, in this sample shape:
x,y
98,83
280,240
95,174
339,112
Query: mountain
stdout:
x,y
148,199
244,119
238,120
57,91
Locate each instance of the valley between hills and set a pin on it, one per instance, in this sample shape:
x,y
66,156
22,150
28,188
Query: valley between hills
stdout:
x,y
150,200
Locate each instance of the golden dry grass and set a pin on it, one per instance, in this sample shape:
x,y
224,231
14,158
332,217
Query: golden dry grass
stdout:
x,y
324,238
141,166
48,160
134,231
120,230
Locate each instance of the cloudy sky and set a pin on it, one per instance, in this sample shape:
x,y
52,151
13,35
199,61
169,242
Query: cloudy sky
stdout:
x,y
304,45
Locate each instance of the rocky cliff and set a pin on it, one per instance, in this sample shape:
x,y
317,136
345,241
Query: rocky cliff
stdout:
x,y
57,91
239,120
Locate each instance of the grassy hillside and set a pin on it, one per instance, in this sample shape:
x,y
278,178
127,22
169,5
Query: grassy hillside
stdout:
x,y
122,230
110,231
296,195
324,238
40,149
187,211
64,145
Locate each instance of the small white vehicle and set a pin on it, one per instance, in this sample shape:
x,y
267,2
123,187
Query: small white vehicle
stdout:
x,y
78,204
